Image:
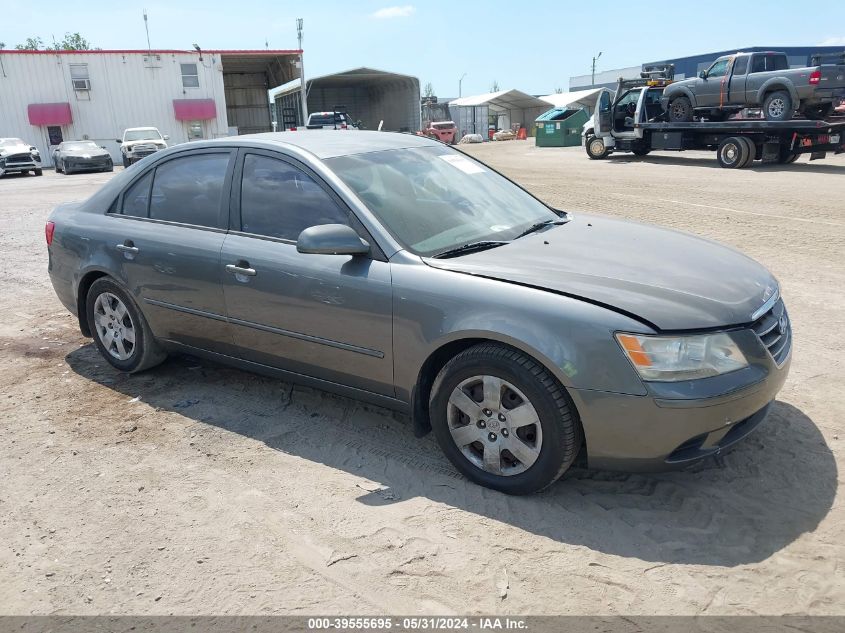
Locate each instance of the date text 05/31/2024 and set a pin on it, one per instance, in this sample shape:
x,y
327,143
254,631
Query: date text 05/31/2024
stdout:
x,y
417,623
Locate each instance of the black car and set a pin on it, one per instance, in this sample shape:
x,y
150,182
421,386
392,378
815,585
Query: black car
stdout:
x,y
72,156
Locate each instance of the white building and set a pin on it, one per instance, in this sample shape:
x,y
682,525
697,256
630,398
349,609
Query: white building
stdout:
x,y
50,96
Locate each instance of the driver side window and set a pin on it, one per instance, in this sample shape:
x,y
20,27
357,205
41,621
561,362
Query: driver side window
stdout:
x,y
719,69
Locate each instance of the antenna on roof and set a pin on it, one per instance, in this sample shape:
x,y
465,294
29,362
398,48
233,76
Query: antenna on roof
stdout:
x,y
147,29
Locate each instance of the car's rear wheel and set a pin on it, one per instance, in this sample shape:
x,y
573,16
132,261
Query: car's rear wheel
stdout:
x,y
640,151
777,106
119,328
732,152
750,151
503,420
680,110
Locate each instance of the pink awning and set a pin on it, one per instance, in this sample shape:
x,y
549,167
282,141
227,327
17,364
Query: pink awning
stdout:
x,y
194,109
49,113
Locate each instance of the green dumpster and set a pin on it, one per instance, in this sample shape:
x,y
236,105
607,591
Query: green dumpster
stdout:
x,y
560,127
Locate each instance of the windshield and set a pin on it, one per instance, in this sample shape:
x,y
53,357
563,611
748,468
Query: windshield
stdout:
x,y
142,135
11,142
434,199
89,145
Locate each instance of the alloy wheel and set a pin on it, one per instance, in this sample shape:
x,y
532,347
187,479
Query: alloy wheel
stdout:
x,y
494,425
114,326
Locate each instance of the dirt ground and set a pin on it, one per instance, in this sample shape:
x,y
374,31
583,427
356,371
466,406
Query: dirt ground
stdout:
x,y
198,489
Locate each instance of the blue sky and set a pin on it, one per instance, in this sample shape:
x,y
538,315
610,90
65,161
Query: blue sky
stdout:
x,y
535,49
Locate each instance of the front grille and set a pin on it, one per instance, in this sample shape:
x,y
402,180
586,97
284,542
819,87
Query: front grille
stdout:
x,y
775,331
144,149
19,158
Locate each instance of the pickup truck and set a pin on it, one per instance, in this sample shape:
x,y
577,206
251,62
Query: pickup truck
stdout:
x,y
764,80
138,142
330,121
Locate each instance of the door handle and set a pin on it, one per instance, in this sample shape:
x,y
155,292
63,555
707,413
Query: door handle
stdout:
x,y
128,247
241,269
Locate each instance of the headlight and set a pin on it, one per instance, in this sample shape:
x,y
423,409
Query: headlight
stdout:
x,y
674,358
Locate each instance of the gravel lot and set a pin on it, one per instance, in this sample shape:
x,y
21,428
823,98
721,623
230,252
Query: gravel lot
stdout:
x,y
198,489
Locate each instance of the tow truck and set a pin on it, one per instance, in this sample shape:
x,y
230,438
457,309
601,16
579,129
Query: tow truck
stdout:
x,y
632,119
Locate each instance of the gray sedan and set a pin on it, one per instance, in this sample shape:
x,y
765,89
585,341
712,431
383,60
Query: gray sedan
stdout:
x,y
394,269
74,156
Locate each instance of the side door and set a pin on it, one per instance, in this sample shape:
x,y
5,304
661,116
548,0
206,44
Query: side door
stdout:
x,y
604,111
324,316
708,90
170,224
738,80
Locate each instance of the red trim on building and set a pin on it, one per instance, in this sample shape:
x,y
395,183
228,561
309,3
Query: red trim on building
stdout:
x,y
194,109
49,114
168,51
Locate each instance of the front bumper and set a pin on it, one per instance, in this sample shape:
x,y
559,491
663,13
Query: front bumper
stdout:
x,y
677,423
76,164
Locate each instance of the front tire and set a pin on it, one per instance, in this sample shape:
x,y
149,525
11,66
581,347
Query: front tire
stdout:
x,y
120,331
126,161
38,172
596,149
777,106
503,420
640,151
680,110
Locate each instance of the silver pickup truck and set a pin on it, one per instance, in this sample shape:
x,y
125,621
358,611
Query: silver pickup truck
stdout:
x,y
762,80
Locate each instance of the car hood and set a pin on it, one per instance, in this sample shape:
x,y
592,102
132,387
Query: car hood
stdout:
x,y
20,148
671,280
146,141
85,152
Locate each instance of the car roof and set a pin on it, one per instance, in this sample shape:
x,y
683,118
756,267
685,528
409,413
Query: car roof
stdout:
x,y
334,143
135,129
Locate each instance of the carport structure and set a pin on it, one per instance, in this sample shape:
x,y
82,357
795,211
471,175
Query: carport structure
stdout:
x,y
575,100
367,95
509,107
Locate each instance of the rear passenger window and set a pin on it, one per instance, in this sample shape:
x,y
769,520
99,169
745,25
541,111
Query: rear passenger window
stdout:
x,y
137,197
189,189
740,65
279,200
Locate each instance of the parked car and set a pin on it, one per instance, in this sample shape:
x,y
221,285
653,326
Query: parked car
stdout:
x,y
19,157
744,80
395,269
330,121
71,156
443,131
139,142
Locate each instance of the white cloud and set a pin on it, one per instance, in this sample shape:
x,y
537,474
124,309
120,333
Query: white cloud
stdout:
x,y
833,41
394,12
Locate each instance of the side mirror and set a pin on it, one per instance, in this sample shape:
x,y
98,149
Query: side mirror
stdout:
x,y
118,141
166,137
331,239
703,74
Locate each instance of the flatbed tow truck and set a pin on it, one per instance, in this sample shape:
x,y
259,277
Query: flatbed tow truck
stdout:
x,y
632,120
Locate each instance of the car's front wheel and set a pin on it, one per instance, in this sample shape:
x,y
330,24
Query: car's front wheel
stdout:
x,y
503,420
120,330
680,110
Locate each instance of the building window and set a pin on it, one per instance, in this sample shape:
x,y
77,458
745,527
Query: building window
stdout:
x,y
190,78
79,77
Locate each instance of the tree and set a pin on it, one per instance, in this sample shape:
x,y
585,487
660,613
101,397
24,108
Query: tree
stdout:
x,y
72,42
495,86
31,44
428,90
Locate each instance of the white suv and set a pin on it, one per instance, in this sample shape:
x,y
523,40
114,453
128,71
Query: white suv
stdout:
x,y
138,142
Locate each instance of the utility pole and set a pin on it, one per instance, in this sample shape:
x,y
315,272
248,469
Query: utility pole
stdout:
x,y
302,73
460,81
593,79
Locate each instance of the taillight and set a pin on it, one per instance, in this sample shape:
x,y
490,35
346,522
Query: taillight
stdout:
x,y
49,229
815,77
292,129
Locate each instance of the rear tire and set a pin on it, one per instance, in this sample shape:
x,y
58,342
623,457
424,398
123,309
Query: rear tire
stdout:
x,y
751,152
640,151
680,110
787,158
595,147
120,331
818,112
521,433
778,106
732,153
